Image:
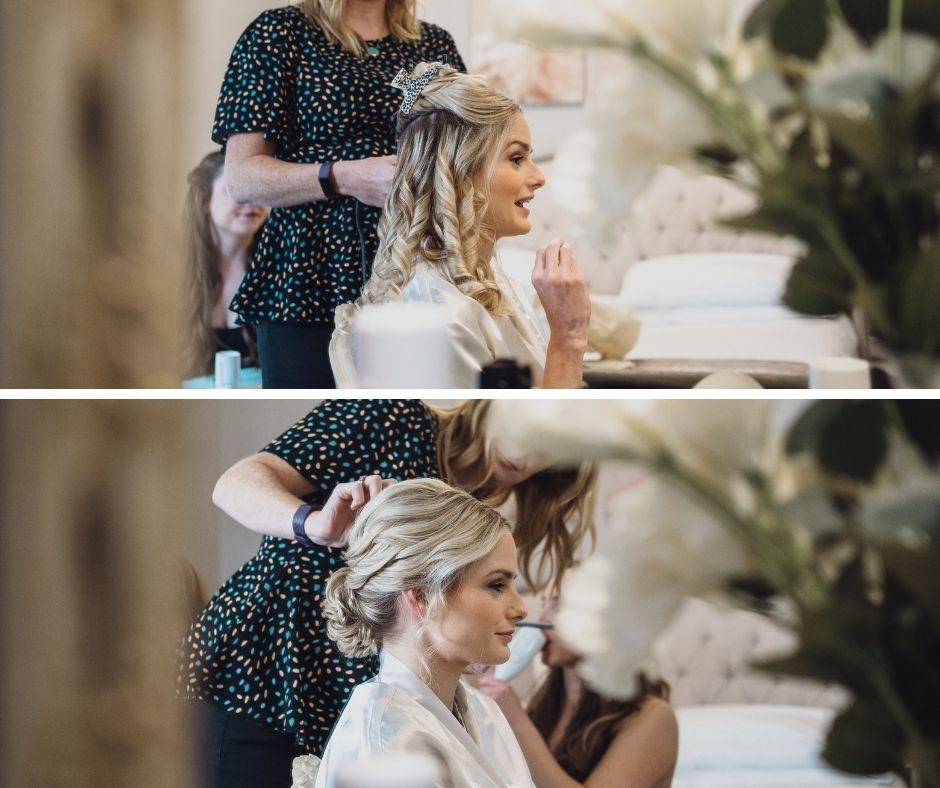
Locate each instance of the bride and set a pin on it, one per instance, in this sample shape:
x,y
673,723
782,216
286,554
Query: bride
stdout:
x,y
428,585
464,179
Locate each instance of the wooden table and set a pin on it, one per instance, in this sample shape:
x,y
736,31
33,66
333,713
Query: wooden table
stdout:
x,y
682,373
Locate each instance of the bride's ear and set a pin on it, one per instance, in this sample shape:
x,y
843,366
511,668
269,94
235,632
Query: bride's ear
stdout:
x,y
415,601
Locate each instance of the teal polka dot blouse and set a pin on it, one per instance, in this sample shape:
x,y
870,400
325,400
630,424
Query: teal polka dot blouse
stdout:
x,y
260,649
316,102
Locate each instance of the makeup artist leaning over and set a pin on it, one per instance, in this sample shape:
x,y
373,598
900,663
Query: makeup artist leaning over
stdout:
x,y
307,118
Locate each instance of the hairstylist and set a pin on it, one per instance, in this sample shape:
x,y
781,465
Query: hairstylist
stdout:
x,y
307,118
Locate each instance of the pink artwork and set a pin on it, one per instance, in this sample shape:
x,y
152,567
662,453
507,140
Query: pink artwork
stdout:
x,y
529,75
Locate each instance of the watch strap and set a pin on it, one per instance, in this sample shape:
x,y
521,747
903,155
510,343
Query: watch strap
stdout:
x,y
299,521
325,176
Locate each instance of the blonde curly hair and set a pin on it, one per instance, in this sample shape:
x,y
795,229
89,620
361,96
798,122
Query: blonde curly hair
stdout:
x,y
433,212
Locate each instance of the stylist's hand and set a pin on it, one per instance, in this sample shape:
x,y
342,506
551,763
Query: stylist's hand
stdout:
x,y
504,695
330,526
561,288
368,180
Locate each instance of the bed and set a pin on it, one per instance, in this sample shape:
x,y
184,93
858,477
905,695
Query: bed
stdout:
x,y
708,298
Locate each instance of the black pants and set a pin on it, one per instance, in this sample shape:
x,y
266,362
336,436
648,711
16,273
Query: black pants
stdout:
x,y
235,753
295,356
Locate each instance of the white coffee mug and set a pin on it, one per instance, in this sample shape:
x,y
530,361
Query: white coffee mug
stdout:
x,y
403,346
839,372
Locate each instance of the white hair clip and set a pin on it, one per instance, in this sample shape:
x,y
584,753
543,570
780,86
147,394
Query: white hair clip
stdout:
x,y
412,87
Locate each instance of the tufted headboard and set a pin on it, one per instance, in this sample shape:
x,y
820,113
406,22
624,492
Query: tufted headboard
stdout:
x,y
678,213
707,652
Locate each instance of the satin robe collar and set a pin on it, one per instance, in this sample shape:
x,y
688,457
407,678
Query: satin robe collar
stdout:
x,y
394,672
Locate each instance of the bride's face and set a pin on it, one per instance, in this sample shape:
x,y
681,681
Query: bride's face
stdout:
x,y
481,614
513,184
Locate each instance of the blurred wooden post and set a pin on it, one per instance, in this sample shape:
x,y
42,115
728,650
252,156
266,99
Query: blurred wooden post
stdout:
x,y
90,184
93,498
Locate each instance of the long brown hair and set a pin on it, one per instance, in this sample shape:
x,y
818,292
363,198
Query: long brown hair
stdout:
x,y
595,723
546,502
203,277
400,15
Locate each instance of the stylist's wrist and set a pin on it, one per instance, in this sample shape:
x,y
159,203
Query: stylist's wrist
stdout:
x,y
342,177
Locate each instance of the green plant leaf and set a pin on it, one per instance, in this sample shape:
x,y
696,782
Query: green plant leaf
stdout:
x,y
805,432
865,739
800,28
869,18
848,438
809,665
921,419
863,139
919,316
826,648
818,285
854,442
917,571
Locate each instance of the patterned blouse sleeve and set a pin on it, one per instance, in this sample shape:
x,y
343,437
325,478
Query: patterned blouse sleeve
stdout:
x,y
442,46
342,440
256,88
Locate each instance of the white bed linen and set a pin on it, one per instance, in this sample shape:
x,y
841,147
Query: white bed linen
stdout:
x,y
725,746
767,333
725,306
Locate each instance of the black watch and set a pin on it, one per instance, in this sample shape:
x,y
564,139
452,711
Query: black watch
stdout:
x,y
299,521
325,177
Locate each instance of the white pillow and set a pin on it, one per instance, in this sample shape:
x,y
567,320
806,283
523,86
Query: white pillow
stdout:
x,y
770,746
711,279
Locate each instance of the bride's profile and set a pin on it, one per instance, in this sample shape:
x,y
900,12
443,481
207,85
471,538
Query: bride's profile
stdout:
x,y
464,178
427,586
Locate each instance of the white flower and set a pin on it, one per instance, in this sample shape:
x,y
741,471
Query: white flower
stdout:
x,y
852,79
666,27
918,54
712,440
638,121
304,770
568,430
715,440
641,120
657,547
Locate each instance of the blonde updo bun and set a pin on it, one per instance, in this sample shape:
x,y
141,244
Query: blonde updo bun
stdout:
x,y
417,535
347,622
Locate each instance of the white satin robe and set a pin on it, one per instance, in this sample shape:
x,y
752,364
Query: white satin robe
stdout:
x,y
396,711
477,337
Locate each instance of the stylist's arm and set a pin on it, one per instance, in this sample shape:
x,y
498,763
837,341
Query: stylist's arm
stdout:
x,y
255,175
262,493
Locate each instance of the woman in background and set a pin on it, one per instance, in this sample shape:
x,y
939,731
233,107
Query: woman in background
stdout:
x,y
306,116
221,235
428,587
571,736
259,659
464,179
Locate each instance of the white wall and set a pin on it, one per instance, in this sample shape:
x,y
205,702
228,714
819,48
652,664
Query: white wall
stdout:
x,y
214,543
